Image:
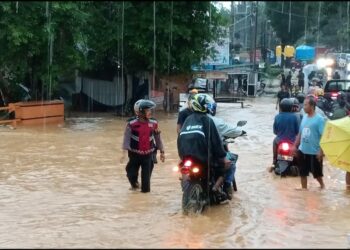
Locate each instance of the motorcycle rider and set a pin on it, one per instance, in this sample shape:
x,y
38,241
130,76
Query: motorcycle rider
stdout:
x,y
296,108
341,111
225,130
285,127
200,139
183,114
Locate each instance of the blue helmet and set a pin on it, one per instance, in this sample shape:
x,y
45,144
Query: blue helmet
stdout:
x,y
212,107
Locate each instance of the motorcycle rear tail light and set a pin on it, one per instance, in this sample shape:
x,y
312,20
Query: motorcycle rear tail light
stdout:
x,y
188,163
285,146
334,94
195,170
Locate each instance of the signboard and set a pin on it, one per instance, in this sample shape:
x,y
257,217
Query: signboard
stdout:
x,y
211,75
222,57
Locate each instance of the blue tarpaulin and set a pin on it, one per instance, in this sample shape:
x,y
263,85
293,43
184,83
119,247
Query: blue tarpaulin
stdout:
x,y
305,52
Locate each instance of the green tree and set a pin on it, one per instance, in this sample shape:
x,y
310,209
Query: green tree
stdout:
x,y
96,36
184,31
288,33
24,37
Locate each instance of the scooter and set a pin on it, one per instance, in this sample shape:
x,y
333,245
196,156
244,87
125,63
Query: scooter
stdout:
x,y
229,138
286,164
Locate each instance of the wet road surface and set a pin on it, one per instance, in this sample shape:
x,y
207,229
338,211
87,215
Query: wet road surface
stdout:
x,y
63,187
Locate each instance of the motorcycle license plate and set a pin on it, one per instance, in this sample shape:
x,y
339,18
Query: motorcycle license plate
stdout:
x,y
285,157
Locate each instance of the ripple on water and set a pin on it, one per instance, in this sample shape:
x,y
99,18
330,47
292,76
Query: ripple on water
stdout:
x,y
63,186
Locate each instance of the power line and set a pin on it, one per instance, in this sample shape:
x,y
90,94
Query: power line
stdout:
x,y
278,11
243,18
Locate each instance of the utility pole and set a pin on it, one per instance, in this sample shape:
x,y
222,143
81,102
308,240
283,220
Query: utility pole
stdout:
x,y
290,15
232,31
262,39
245,25
347,29
305,13
252,15
318,21
256,33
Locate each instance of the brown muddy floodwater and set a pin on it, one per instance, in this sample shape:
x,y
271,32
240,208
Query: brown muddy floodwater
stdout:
x,y
63,187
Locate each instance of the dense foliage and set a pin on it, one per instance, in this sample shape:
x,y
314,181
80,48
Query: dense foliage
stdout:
x,y
43,42
323,23
313,23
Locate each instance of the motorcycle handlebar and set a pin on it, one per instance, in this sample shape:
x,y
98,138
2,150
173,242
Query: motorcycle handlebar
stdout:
x,y
231,140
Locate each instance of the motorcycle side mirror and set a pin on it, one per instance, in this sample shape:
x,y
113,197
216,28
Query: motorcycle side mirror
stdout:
x,y
241,123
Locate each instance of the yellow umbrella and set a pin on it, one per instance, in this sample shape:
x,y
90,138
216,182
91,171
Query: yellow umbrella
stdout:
x,y
335,142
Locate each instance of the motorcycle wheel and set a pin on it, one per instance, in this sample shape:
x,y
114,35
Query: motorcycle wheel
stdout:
x,y
281,167
193,200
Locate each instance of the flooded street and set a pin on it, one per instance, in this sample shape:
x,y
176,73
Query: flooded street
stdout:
x,y
63,187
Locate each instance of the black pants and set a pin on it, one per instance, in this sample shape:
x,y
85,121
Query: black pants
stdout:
x,y
133,167
309,163
274,151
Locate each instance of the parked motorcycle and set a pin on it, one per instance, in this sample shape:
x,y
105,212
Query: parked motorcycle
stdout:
x,y
197,182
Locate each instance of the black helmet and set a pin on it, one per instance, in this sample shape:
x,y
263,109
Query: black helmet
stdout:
x,y
143,104
286,105
295,104
301,97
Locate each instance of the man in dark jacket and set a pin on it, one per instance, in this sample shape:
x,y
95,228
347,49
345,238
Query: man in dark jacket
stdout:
x,y
285,126
283,93
301,77
289,81
200,139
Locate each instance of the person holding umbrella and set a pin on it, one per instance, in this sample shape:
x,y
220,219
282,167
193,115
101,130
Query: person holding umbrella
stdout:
x,y
335,143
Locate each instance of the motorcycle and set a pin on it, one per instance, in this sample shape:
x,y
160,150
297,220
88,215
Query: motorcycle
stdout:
x,y
333,109
286,164
197,182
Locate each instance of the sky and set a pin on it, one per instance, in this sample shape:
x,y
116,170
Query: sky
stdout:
x,y
225,4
